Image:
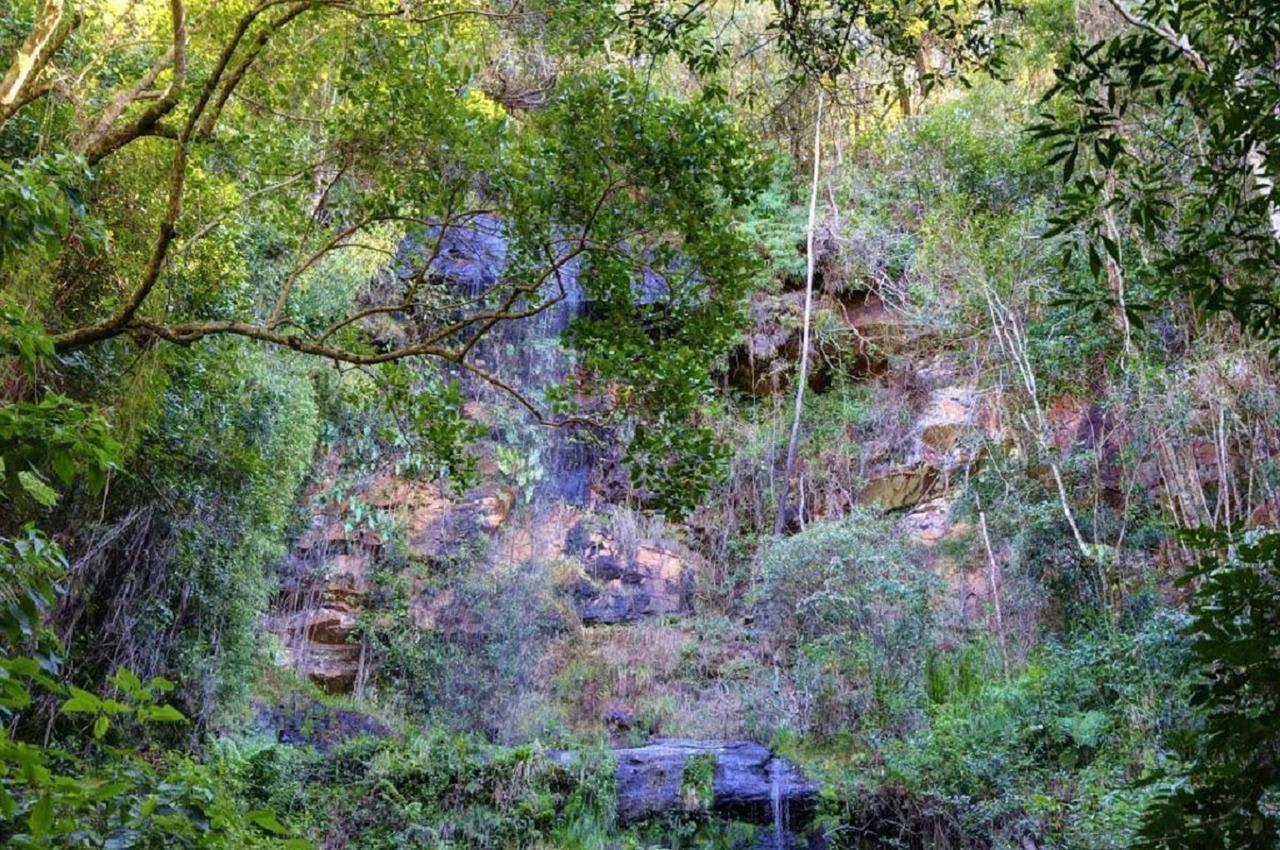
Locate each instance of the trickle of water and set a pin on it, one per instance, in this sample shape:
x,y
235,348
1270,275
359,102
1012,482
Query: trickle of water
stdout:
x,y
527,352
778,805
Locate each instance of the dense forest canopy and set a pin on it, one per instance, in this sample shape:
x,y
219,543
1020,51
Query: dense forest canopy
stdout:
x,y
656,423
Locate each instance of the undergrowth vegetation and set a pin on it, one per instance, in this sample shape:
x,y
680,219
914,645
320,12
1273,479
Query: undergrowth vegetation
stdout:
x,y
405,406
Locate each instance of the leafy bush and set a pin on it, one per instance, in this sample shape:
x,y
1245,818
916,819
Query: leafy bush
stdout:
x,y
89,787
846,603
1049,751
435,789
1227,794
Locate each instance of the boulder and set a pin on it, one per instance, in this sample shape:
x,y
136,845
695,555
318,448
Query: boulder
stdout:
x,y
747,779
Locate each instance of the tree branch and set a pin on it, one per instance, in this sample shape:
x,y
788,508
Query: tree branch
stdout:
x,y
237,75
1164,32
123,100
104,141
52,26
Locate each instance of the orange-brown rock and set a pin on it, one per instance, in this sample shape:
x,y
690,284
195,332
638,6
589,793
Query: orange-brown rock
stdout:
x,y
947,414
901,488
318,645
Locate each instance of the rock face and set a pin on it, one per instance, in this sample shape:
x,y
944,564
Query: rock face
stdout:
x,y
860,333
314,724
622,588
611,578
748,778
330,566
316,629
935,452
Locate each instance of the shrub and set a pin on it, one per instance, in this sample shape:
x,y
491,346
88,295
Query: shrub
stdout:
x,y
844,601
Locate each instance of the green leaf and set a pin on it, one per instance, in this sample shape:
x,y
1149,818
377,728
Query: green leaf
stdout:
x,y
41,818
81,702
37,488
161,685
100,726
266,819
126,681
161,714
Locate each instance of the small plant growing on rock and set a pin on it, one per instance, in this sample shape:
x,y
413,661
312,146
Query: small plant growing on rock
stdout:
x,y
697,783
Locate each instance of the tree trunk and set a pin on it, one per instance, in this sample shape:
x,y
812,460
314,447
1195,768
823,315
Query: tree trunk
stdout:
x,y
779,520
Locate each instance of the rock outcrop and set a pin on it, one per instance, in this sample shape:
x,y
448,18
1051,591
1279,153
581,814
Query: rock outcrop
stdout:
x,y
612,578
747,781
330,564
316,629
622,588
936,451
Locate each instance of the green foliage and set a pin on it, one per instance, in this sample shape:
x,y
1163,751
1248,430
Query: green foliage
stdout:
x,y
54,437
428,427
674,466
30,567
82,790
844,600
1049,750
657,344
697,780
250,422
40,201
1198,75
438,789
1225,795
776,223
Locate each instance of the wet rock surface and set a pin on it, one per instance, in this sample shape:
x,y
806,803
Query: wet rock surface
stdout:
x,y
748,779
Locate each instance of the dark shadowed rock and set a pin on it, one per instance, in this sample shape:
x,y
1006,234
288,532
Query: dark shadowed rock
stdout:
x,y
605,568
317,725
611,609
653,580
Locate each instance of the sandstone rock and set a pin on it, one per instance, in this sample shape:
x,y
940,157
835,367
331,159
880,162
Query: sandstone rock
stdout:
x,y
947,414
444,611
929,522
901,488
439,527
317,637
769,355
876,330
334,667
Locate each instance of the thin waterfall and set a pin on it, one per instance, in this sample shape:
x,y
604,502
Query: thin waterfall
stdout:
x,y
528,353
777,805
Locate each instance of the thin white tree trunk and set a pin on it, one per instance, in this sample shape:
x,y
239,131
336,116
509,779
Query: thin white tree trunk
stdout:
x,y
993,577
780,517
1005,325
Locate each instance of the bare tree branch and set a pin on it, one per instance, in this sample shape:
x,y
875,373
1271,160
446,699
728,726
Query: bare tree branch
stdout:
x,y
111,140
123,100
